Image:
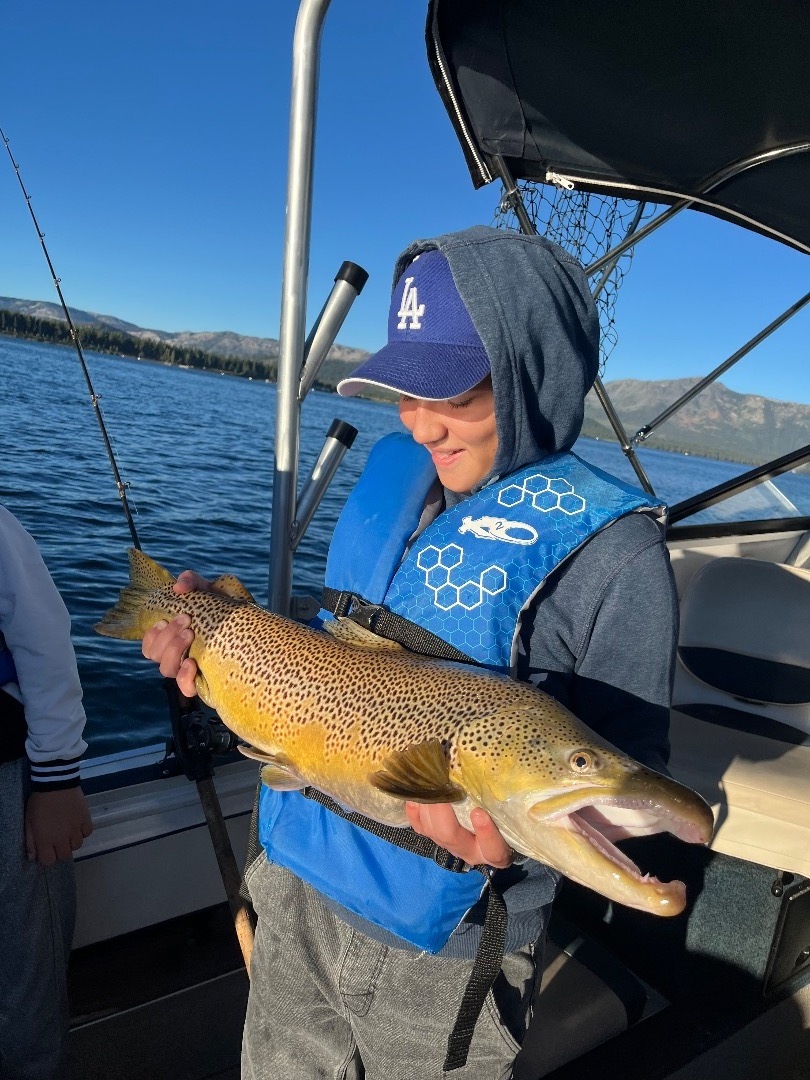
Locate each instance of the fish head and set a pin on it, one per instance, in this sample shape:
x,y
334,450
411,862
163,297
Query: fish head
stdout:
x,y
562,795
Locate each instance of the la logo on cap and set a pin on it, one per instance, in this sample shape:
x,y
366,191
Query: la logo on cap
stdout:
x,y
410,308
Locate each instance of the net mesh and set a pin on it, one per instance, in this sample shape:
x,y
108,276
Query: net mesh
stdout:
x,y
587,226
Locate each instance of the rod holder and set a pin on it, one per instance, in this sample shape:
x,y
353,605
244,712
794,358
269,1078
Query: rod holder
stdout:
x,y
338,440
349,282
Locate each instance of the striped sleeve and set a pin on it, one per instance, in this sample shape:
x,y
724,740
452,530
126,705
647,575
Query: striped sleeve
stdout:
x,y
53,775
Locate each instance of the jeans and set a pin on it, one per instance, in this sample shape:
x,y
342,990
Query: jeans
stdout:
x,y
37,908
328,1002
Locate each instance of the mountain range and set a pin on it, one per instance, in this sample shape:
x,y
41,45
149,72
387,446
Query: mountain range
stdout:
x,y
718,423
223,343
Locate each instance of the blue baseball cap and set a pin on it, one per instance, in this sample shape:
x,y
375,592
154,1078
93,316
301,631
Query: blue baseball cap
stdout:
x,y
433,349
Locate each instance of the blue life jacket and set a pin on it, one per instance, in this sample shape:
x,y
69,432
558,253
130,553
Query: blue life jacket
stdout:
x,y
466,578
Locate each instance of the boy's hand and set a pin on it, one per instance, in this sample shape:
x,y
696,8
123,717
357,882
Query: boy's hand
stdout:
x,y
168,643
56,824
439,823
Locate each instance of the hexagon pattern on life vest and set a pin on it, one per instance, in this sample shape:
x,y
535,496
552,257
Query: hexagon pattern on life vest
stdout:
x,y
469,575
544,493
438,565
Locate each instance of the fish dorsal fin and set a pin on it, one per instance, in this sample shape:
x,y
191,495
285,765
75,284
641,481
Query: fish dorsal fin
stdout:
x,y
420,773
278,772
230,585
352,633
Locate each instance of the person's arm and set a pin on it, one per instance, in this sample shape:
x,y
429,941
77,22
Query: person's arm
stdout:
x,y
623,684
603,635
36,629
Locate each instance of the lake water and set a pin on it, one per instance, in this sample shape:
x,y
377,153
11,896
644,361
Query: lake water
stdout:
x,y
196,450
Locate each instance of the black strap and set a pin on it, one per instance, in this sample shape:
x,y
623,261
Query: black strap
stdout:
x,y
488,962
403,838
381,621
488,959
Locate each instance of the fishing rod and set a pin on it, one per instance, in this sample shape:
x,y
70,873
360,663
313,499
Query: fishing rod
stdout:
x,y
120,485
193,740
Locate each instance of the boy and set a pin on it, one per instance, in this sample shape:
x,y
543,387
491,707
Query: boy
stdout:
x,y
493,345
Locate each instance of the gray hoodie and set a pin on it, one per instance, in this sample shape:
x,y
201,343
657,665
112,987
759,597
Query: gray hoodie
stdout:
x,y
530,303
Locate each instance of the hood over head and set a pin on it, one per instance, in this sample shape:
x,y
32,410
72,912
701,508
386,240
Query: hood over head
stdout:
x,y
530,314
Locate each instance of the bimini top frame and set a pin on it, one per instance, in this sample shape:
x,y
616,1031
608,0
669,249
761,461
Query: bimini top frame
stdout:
x,y
695,105
699,106
702,103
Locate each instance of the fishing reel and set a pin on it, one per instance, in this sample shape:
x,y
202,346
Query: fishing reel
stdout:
x,y
198,735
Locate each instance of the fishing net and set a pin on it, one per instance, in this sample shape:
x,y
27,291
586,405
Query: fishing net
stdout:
x,y
588,226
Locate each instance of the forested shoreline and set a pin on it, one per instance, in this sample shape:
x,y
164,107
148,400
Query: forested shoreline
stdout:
x,y
117,343
105,340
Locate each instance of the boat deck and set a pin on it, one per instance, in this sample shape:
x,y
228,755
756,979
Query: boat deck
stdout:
x,y
165,1003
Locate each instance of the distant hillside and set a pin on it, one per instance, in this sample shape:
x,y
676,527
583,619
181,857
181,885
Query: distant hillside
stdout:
x,y
718,423
222,343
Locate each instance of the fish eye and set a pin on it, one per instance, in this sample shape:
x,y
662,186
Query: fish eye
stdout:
x,y
583,761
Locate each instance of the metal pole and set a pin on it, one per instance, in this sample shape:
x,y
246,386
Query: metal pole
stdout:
x,y
738,484
712,184
306,56
349,283
338,440
628,449
630,240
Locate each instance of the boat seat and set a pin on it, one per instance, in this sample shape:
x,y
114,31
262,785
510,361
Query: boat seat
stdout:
x,y
586,996
740,724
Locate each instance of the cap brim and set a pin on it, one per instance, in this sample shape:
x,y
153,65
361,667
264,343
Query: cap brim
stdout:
x,y
434,372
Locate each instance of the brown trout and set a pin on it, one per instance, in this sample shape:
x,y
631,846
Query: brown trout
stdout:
x,y
373,725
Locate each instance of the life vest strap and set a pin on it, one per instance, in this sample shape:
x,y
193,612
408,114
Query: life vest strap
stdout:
x,y
488,962
403,838
379,620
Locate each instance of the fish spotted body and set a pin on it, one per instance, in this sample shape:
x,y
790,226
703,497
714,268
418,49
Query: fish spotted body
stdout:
x,y
373,725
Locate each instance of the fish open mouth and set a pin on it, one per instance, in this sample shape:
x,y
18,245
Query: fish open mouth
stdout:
x,y
587,826
579,822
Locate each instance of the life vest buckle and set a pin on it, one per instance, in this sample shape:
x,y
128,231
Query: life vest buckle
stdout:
x,y
363,613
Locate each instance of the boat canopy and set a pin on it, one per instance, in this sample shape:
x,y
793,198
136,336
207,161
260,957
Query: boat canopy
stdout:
x,y
708,103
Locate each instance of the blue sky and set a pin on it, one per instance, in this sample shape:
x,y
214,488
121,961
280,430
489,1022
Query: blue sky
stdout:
x,y
153,141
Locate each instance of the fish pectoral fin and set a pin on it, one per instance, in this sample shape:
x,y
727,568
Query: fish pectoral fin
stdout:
x,y
352,633
229,585
278,773
420,773
281,776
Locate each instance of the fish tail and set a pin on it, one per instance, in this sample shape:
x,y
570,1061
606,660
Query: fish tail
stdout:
x,y
123,620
